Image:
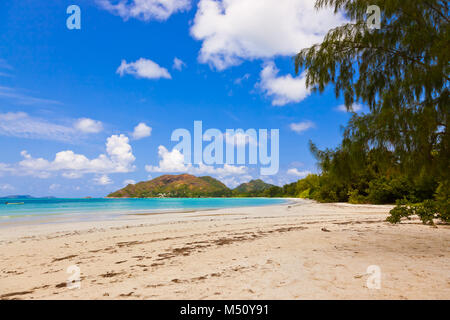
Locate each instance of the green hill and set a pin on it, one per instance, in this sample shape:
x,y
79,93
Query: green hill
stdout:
x,y
252,188
175,186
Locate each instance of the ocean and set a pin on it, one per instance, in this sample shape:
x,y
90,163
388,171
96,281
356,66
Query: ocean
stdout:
x,y
101,208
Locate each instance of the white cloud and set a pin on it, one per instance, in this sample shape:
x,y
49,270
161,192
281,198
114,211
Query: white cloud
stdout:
x,y
224,171
20,124
283,89
356,107
141,131
178,64
129,181
72,175
6,187
236,30
5,168
240,139
302,126
118,159
21,98
297,173
234,181
87,125
173,161
103,180
54,187
145,9
242,79
143,68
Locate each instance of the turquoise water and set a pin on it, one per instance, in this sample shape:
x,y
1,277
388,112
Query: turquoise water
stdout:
x,y
108,208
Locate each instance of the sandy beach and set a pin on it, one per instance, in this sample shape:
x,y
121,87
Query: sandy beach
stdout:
x,y
301,250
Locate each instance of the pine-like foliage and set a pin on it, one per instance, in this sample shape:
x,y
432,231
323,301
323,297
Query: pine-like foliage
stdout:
x,y
401,72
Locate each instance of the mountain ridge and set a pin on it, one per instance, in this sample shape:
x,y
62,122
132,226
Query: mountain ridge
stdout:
x,y
174,186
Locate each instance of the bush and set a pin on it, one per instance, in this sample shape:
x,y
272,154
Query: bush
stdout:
x,y
384,190
427,211
305,194
354,197
310,183
442,197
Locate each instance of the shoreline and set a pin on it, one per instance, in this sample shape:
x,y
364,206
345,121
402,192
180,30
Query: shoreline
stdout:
x,y
302,250
31,228
115,215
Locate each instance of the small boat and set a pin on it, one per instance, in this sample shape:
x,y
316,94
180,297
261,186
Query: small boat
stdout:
x,y
16,203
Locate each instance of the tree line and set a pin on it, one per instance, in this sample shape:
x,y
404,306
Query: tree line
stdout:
x,y
399,151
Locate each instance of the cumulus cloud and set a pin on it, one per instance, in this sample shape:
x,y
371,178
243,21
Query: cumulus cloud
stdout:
x,y
302,126
118,159
170,161
178,64
356,107
234,181
129,181
226,170
141,131
282,89
103,180
297,173
240,139
87,125
143,68
173,161
235,30
145,10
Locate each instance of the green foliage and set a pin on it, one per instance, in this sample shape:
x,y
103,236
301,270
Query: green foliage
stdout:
x,y
427,211
354,197
273,192
443,201
175,186
254,188
401,148
388,190
290,190
307,187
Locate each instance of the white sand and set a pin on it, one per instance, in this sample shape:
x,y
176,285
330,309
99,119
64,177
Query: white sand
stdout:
x,y
301,251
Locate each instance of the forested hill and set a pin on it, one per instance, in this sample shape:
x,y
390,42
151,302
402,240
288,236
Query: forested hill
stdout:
x,y
176,186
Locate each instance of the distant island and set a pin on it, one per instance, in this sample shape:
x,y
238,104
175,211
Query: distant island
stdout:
x,y
189,186
23,197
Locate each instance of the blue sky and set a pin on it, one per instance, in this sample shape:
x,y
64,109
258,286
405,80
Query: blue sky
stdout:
x,y
62,91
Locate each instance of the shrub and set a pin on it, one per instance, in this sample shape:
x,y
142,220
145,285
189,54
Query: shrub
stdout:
x,y
384,190
355,197
427,211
